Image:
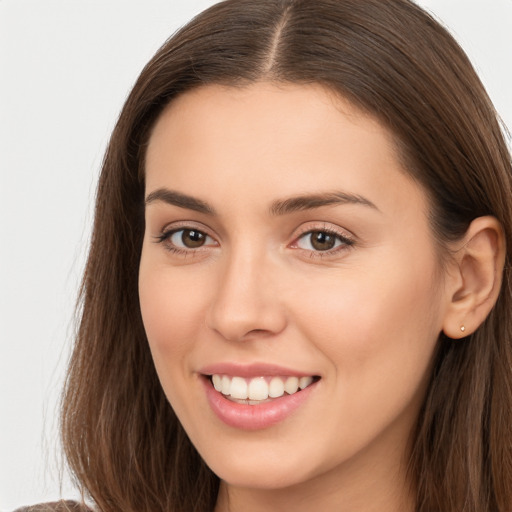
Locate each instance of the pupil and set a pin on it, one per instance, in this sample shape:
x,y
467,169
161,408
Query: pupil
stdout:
x,y
192,238
322,241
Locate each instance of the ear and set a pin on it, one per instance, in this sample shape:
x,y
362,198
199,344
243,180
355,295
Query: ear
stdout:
x,y
474,283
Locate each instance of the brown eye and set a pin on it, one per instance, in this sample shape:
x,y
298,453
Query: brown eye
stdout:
x,y
188,239
192,238
322,241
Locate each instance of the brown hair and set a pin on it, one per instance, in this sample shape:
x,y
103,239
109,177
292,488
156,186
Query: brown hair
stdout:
x,y
392,60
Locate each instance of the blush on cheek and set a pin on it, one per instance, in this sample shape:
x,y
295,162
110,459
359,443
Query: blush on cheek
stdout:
x,y
167,332
359,319
171,320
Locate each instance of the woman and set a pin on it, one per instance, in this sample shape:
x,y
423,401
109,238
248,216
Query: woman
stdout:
x,y
297,293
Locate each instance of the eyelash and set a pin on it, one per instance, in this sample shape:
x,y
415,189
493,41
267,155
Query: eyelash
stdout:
x,y
165,237
345,242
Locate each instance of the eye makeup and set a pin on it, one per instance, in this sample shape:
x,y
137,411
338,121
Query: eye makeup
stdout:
x,y
317,240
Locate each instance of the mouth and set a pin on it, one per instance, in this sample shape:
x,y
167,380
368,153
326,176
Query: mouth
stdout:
x,y
258,395
260,389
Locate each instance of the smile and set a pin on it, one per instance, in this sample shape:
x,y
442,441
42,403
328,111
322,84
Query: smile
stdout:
x,y
250,400
258,390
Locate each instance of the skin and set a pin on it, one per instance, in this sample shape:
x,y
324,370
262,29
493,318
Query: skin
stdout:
x,y
364,317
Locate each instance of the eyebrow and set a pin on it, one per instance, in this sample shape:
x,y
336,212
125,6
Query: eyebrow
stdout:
x,y
181,200
279,207
311,201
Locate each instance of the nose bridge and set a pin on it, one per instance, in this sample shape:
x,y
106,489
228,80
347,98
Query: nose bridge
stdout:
x,y
246,301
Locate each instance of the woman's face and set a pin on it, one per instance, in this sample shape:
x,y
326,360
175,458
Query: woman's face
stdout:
x,y
285,246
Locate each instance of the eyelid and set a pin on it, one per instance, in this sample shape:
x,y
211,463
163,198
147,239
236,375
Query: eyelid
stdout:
x,y
170,229
348,238
186,224
310,227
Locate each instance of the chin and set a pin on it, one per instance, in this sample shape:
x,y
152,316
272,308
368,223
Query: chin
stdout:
x,y
263,476
274,463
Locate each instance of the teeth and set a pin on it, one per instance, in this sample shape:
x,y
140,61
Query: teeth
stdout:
x,y
238,388
276,388
304,382
291,385
226,385
258,389
217,382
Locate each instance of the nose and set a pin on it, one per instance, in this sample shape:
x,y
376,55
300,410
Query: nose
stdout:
x,y
246,303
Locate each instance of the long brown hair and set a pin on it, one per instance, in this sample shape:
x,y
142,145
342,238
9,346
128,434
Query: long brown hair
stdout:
x,y
122,439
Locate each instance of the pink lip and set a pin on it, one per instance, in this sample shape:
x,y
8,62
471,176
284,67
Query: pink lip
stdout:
x,y
254,417
250,370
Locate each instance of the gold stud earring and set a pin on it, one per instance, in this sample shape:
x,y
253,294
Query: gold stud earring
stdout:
x,y
462,328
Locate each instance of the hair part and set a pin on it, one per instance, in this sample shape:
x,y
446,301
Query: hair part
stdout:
x,y
122,439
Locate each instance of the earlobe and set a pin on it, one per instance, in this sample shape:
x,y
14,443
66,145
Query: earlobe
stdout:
x,y
475,285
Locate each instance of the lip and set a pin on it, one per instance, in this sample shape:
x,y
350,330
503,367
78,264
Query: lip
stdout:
x,y
255,417
251,370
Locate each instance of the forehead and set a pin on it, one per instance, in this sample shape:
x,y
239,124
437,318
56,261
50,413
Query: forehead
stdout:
x,y
274,109
274,139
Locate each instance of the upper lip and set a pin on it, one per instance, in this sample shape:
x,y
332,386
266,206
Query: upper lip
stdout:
x,y
251,370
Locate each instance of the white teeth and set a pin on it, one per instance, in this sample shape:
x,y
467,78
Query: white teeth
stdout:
x,y
217,382
291,385
226,385
276,388
258,389
304,382
239,388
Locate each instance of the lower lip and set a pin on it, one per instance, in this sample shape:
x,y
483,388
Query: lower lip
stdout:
x,y
254,417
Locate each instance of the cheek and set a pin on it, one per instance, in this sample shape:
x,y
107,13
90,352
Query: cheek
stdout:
x,y
172,311
172,314
358,312
379,330
379,337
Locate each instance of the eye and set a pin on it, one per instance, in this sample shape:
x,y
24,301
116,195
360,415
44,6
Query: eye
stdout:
x,y
185,240
189,238
322,241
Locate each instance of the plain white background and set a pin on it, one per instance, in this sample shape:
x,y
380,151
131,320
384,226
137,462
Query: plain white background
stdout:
x,y
66,67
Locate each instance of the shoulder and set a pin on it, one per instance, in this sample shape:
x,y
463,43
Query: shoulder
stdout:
x,y
56,506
